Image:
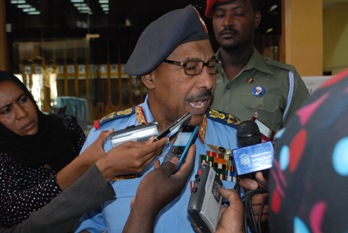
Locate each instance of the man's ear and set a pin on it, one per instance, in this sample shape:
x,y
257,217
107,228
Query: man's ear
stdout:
x,y
148,81
258,17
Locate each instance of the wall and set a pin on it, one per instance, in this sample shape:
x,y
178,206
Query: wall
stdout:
x,y
335,27
304,35
3,39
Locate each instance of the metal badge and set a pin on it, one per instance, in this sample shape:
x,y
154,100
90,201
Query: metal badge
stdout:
x,y
258,91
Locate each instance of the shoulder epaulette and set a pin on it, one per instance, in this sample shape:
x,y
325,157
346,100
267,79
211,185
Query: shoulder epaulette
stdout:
x,y
215,115
224,118
113,116
278,64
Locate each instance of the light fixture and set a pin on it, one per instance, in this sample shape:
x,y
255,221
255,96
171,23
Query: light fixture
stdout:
x,y
272,8
34,13
24,6
18,1
269,30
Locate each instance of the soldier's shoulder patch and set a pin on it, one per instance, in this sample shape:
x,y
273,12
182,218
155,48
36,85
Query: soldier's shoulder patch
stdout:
x,y
224,118
279,65
114,116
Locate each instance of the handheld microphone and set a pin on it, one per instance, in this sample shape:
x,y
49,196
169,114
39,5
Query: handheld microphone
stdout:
x,y
248,133
253,155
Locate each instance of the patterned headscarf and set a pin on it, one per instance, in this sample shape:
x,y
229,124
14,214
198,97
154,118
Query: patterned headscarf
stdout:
x,y
309,178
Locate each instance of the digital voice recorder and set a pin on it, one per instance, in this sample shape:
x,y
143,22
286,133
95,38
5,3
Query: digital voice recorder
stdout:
x,y
205,201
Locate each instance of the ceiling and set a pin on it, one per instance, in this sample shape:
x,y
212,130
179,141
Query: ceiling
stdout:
x,y
79,14
116,23
111,21
76,18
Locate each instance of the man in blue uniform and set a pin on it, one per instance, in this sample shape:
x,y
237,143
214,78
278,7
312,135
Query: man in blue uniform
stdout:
x,y
175,61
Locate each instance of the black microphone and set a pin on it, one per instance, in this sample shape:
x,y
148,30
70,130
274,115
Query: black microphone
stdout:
x,y
248,133
253,155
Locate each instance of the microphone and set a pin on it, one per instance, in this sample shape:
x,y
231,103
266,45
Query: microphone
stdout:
x,y
248,133
253,155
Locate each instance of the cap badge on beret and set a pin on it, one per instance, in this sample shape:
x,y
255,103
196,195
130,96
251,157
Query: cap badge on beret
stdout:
x,y
202,21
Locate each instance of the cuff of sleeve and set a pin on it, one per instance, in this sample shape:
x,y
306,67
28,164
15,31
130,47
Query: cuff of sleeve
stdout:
x,y
97,180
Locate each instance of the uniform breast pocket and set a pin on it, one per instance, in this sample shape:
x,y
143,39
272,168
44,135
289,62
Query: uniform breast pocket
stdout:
x,y
269,108
268,103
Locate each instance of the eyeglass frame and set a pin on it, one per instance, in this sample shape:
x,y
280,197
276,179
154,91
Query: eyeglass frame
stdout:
x,y
183,64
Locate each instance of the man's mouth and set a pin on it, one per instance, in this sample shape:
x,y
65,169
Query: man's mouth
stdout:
x,y
200,103
228,33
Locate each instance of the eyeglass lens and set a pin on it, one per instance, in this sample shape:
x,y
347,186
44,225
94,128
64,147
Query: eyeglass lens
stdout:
x,y
195,67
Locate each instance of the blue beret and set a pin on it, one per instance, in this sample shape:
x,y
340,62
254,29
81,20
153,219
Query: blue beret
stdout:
x,y
162,36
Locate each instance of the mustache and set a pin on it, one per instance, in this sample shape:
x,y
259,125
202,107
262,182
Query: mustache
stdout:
x,y
229,29
207,94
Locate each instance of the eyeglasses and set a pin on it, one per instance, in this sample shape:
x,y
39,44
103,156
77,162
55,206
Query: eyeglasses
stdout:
x,y
194,67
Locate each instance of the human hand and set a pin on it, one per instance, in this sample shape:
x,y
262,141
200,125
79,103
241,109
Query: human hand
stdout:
x,y
158,188
163,183
231,217
71,172
95,151
130,157
259,200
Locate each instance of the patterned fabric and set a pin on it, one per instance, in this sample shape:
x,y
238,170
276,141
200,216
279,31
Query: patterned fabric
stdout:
x,y
309,178
24,190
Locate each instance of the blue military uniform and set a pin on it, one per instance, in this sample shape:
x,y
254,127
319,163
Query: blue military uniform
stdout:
x,y
217,129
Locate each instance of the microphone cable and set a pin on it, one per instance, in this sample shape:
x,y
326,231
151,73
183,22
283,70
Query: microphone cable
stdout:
x,y
248,134
256,226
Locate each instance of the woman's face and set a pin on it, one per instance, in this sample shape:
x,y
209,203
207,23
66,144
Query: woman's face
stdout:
x,y
17,111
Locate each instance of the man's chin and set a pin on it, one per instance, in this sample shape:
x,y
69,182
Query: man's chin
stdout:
x,y
196,119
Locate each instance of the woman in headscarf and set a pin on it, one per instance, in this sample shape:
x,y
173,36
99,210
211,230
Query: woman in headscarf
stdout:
x,y
35,149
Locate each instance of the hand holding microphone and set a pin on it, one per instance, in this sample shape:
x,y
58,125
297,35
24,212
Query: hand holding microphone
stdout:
x,y
253,160
253,155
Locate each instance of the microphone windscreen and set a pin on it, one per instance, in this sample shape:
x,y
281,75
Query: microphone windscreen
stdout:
x,y
248,133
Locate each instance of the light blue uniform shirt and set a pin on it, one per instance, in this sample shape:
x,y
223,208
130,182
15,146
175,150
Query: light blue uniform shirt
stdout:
x,y
112,215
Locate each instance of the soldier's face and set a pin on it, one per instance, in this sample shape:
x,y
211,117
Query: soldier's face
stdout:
x,y
234,24
174,92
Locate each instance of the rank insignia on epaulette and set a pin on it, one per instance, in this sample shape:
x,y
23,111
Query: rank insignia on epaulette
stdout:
x,y
114,115
225,118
